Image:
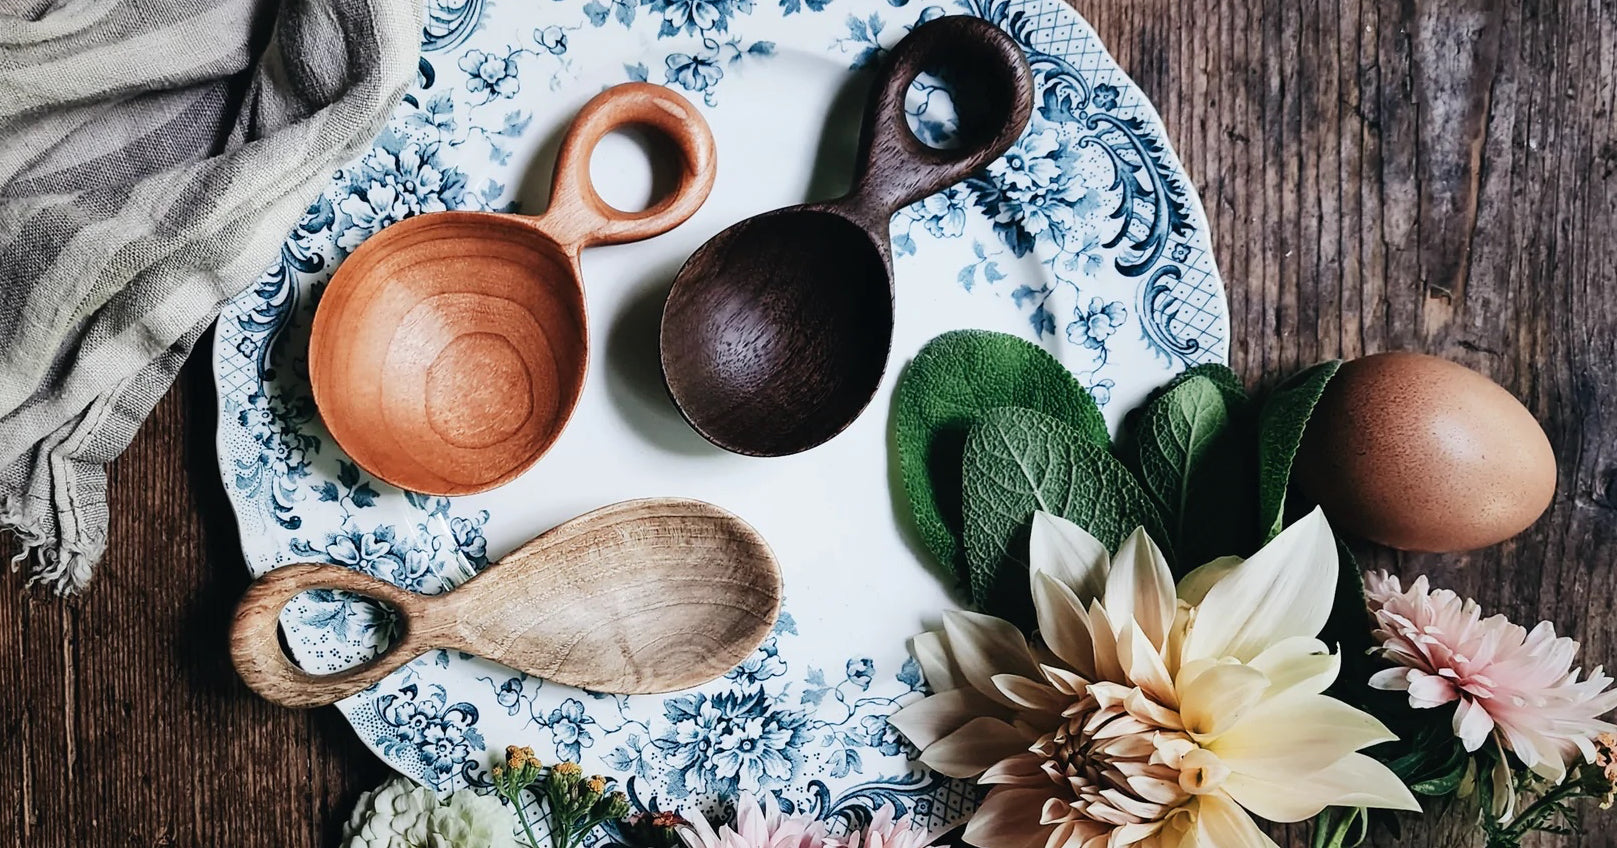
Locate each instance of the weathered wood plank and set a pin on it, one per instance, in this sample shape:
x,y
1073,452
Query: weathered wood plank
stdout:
x,y
124,721
1421,175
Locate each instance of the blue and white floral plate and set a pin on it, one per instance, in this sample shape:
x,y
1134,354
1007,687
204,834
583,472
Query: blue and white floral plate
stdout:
x,y
1086,237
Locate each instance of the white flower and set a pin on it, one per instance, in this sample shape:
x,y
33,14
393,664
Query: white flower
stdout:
x,y
393,815
1145,719
470,820
1031,163
400,814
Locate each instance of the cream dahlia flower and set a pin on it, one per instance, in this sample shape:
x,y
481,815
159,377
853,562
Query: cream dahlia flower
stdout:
x,y
759,824
1509,683
1147,714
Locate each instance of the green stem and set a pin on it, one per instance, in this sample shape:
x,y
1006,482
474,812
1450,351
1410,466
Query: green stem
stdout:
x,y
1527,821
590,826
522,816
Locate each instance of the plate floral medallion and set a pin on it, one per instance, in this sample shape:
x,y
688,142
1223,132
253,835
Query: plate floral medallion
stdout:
x,y
1085,237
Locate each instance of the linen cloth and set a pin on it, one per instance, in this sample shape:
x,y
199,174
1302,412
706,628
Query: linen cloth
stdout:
x,y
153,156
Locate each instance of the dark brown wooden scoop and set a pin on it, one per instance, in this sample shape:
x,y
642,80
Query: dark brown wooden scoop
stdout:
x,y
641,596
450,349
777,330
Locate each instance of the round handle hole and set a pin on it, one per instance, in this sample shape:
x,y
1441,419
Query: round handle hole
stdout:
x,y
340,629
930,110
949,107
635,167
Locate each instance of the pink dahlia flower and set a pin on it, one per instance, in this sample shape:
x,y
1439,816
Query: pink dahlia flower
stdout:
x,y
885,830
1511,683
759,824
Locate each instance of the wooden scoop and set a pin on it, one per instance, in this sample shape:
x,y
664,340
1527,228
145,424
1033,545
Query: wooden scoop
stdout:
x,y
449,350
641,596
776,332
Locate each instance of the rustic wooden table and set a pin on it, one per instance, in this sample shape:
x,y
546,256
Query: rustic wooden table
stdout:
x,y
1435,175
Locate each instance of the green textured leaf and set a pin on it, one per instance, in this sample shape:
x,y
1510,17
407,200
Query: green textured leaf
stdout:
x,y
1194,462
1017,461
953,380
1222,376
1281,423
1127,447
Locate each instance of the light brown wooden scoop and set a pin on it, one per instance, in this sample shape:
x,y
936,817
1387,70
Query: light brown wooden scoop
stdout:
x,y
638,597
449,350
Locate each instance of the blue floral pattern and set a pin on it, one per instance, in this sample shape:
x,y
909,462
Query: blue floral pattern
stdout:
x,y
1085,234
1082,189
491,75
440,736
401,176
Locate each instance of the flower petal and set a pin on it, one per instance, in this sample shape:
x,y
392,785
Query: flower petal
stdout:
x,y
1193,588
1144,666
1429,690
1353,781
1024,769
975,747
698,833
1068,553
1063,624
938,668
1140,587
1283,590
1032,694
984,646
1298,664
1008,818
1473,724
1215,699
1108,665
1221,823
1395,679
934,717
1295,736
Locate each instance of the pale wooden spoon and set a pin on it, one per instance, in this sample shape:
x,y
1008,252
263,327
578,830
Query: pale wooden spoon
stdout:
x,y
638,597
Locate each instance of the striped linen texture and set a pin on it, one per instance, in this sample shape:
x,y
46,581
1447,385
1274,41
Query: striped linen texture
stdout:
x,y
153,156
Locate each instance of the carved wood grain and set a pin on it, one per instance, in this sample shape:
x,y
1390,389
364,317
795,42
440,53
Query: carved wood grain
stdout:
x,y
642,596
777,330
449,350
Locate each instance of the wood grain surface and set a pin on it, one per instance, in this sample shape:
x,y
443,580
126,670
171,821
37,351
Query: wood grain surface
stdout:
x,y
449,350
808,290
639,597
1438,175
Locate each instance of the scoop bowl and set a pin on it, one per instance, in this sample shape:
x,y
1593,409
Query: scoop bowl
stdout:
x,y
790,309
450,349
776,332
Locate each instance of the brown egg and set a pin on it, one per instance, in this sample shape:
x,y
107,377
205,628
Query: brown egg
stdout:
x,y
1422,454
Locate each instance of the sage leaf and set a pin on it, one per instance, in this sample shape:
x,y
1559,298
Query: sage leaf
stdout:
x,y
1194,461
1281,423
1222,376
953,380
1017,461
